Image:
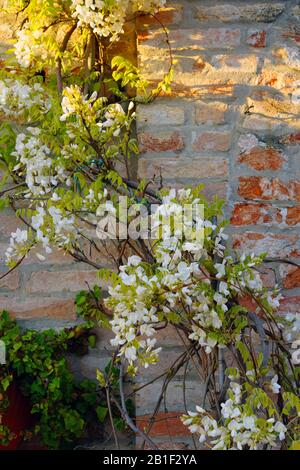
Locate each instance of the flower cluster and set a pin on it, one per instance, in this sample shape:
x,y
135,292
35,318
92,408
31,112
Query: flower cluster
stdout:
x,y
17,98
29,47
80,111
18,246
241,426
108,18
183,284
34,161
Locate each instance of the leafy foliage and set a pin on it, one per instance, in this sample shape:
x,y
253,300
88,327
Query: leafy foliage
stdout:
x,y
60,404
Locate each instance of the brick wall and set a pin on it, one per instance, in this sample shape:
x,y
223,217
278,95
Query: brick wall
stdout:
x,y
232,122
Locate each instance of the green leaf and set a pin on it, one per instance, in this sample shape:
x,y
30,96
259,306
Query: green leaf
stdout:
x,y
101,413
101,378
243,350
295,445
6,382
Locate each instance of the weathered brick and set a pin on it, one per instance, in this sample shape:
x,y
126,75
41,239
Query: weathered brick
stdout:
x,y
9,224
268,276
290,304
262,158
290,56
213,188
293,215
296,12
256,122
85,366
280,245
291,32
290,276
146,401
172,14
285,81
231,13
126,45
183,168
193,39
160,114
168,337
38,307
166,424
160,141
258,188
3,248
257,38
10,282
217,90
168,445
235,63
210,113
270,103
291,139
252,214
57,257
52,281
211,141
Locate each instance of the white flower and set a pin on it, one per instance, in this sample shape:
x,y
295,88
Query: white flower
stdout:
x,y
134,260
249,423
220,267
40,257
274,385
280,429
127,279
130,353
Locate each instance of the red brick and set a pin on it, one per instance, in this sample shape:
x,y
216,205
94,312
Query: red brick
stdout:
x,y
171,14
292,139
212,142
290,304
210,113
268,276
11,281
240,64
292,33
290,275
283,81
255,187
293,215
278,245
165,445
260,158
191,39
160,142
166,424
56,257
229,13
248,302
9,224
214,90
155,113
251,214
168,337
183,168
211,188
257,39
71,281
39,307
